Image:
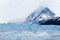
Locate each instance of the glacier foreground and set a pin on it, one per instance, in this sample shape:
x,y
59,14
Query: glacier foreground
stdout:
x,y
29,32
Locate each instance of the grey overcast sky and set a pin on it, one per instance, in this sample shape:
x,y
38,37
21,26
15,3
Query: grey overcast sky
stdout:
x,y
18,10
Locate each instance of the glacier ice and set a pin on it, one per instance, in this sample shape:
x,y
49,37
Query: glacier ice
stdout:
x,y
29,32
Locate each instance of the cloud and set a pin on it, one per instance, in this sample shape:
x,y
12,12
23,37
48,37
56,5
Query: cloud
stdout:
x,y
20,9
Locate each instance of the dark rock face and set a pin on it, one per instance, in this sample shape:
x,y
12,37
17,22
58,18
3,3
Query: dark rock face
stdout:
x,y
53,21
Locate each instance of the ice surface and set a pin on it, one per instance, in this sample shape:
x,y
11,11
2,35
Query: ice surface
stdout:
x,y
29,32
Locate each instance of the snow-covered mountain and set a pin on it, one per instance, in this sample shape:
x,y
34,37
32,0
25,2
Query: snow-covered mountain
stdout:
x,y
53,21
40,15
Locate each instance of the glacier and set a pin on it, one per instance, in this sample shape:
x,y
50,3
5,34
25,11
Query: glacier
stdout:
x,y
29,32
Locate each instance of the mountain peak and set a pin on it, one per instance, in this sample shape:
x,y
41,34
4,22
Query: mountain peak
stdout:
x,y
39,13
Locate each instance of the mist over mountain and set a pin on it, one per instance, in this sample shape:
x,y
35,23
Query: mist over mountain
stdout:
x,y
43,16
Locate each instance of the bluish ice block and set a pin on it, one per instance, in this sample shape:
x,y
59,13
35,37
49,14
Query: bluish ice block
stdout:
x,y
29,32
